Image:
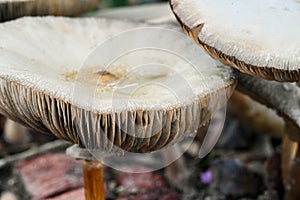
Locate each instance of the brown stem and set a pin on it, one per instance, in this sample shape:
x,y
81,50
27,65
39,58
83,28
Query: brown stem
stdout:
x,y
288,153
93,180
284,97
292,184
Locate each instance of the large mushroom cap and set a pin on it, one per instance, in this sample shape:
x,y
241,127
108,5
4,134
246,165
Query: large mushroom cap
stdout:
x,y
44,84
10,9
257,37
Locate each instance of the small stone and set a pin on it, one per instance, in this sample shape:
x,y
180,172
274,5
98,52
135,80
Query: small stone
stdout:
x,y
15,133
8,196
51,174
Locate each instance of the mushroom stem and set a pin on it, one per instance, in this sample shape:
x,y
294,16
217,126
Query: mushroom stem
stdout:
x,y
93,180
92,172
290,165
284,97
288,152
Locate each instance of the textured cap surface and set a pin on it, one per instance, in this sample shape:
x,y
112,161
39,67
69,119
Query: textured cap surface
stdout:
x,y
257,37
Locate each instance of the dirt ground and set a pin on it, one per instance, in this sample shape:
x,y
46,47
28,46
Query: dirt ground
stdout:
x,y
243,165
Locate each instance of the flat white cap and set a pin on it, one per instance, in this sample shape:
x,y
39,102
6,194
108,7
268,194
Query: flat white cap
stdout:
x,y
43,84
260,38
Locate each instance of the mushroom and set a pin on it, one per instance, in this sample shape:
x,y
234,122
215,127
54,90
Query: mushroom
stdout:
x,y
44,85
11,9
284,97
246,36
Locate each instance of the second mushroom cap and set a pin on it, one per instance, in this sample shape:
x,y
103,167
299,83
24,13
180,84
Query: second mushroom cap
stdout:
x,y
259,38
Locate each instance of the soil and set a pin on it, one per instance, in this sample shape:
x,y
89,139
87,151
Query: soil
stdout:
x,y
244,165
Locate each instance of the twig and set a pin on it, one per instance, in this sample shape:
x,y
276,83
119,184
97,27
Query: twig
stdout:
x,y
34,151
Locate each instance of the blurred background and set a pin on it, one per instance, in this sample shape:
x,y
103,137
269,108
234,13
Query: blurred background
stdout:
x,y
115,3
245,165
